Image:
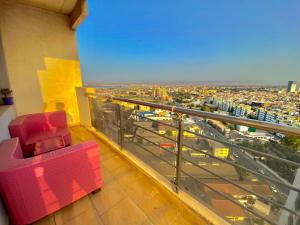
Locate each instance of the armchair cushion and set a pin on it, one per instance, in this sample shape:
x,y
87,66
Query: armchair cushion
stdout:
x,y
48,145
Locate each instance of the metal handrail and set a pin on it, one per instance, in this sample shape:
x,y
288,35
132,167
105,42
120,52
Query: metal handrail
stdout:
x,y
288,130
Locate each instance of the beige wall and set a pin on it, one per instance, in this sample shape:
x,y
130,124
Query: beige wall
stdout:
x,y
29,35
3,74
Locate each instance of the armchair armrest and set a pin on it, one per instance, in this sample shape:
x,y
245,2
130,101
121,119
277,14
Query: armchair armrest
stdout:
x,y
16,128
48,182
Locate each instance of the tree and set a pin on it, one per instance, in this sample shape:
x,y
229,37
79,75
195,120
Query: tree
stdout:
x,y
155,124
169,133
140,140
293,142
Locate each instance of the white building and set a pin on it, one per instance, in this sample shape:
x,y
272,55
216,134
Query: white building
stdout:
x,y
263,115
242,111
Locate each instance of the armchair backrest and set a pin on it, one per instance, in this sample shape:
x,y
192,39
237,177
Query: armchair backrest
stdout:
x,y
27,125
10,153
41,122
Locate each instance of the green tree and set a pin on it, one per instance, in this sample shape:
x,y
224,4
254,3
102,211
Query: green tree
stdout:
x,y
292,142
169,133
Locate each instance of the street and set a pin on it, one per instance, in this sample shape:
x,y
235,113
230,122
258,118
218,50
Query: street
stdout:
x,y
245,160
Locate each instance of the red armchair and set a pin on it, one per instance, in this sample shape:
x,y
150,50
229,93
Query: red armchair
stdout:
x,y
35,187
33,128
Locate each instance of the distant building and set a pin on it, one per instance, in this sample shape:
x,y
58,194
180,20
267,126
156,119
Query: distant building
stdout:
x,y
219,126
242,128
227,208
226,106
292,86
161,93
219,150
209,107
257,104
242,110
263,115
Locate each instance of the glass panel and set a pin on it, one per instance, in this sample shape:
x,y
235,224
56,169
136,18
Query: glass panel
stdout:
x,y
237,171
105,117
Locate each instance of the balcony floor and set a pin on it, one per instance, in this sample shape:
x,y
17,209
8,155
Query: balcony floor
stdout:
x,y
128,197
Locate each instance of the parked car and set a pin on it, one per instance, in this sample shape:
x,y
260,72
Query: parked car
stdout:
x,y
273,188
235,155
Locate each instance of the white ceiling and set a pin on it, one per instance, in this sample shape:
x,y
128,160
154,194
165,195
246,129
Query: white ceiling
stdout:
x,y
60,6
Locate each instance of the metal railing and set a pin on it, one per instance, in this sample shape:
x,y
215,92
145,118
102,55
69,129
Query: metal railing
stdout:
x,y
288,130
139,134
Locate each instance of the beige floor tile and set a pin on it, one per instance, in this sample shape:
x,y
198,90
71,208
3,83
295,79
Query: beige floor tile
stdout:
x,y
148,222
73,210
125,212
139,194
108,197
107,176
107,154
182,220
160,209
114,163
88,217
49,220
127,177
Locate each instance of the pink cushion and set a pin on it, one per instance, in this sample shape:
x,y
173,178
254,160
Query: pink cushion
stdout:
x,y
46,135
48,145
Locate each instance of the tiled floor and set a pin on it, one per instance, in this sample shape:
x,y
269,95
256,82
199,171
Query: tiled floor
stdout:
x,y
127,198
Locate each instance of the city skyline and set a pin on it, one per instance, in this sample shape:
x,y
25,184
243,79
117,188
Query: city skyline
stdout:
x,y
249,42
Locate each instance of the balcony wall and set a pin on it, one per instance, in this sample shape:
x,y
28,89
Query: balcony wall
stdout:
x,y
39,58
3,72
7,113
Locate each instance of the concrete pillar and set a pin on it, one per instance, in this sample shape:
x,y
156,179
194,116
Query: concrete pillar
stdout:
x,y
83,106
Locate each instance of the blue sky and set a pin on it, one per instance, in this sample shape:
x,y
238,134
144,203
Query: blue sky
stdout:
x,y
191,40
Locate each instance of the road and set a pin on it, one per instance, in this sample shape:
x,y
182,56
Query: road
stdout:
x,y
244,159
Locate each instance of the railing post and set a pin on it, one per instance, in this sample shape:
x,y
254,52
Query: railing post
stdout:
x,y
179,152
121,126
